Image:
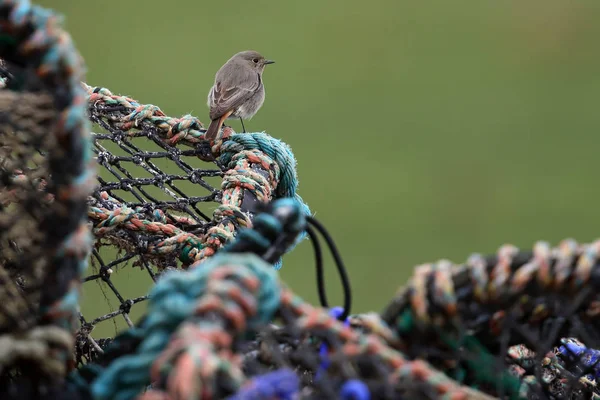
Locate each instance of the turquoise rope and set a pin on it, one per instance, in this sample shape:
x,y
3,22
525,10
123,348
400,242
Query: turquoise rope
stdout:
x,y
267,228
280,153
172,301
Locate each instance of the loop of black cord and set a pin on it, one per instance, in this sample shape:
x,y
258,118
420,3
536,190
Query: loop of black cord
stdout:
x,y
319,266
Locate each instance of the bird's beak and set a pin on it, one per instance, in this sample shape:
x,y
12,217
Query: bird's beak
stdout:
x,y
269,62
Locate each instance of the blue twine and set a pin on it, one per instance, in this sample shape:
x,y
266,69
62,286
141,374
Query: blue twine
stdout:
x,y
282,384
586,356
171,302
335,312
280,153
355,390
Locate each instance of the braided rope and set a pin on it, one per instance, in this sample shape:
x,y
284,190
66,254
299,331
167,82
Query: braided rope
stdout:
x,y
193,318
242,156
31,37
538,296
35,346
353,343
496,283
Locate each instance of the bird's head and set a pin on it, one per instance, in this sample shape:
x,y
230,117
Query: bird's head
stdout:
x,y
254,59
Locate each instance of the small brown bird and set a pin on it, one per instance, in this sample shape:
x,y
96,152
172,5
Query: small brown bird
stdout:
x,y
238,91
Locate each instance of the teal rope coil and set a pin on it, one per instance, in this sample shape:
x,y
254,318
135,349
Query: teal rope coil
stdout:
x,y
176,298
280,153
273,233
275,149
31,37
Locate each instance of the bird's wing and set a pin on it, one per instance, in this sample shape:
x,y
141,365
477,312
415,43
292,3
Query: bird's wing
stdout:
x,y
227,97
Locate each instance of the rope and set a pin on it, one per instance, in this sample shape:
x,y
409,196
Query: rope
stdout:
x,y
577,352
433,293
511,301
352,344
274,232
193,318
277,228
31,37
37,345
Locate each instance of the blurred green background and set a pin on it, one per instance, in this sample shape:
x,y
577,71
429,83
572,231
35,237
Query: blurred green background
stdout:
x,y
423,130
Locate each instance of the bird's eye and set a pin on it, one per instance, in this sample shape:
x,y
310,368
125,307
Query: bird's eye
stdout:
x,y
255,60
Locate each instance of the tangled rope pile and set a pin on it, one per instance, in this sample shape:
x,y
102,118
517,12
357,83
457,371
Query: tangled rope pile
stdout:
x,y
219,322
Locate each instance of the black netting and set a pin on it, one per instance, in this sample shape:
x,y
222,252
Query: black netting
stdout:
x,y
167,188
24,205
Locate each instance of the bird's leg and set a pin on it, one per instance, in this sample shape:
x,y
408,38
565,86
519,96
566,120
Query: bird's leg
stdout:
x,y
243,127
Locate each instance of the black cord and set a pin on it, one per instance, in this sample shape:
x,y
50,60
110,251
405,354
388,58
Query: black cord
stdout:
x,y
319,266
338,261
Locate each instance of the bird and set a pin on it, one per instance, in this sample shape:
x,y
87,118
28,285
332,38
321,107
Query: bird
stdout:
x,y
238,90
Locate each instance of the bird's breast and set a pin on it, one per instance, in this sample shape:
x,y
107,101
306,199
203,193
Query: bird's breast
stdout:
x,y
250,106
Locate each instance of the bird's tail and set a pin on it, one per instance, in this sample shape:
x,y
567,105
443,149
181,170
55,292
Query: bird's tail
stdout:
x,y
213,129
215,126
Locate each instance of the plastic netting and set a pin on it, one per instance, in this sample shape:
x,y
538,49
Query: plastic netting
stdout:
x,y
208,222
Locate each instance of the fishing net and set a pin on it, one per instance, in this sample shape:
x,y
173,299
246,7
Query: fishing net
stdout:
x,y
86,174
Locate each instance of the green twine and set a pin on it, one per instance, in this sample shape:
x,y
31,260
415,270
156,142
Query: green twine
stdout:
x,y
480,365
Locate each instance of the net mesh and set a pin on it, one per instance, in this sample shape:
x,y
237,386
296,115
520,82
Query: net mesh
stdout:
x,y
24,204
139,202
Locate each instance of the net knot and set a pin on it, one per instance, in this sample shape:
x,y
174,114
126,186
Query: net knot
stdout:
x,y
144,111
100,95
187,128
183,243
